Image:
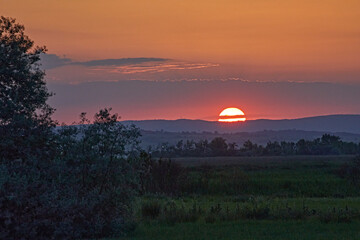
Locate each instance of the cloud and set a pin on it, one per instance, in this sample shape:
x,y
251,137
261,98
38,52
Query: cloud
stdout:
x,y
155,67
66,70
50,61
119,61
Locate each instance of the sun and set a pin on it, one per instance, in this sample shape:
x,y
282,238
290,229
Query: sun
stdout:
x,y
232,114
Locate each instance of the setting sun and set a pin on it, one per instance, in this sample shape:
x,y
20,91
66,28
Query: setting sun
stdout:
x,y
232,115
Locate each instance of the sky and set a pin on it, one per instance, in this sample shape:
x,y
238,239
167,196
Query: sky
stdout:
x,y
190,59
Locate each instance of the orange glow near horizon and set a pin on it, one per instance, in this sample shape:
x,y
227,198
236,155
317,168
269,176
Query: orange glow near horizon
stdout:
x,y
232,115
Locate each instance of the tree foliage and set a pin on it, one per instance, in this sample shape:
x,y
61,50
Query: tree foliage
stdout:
x,y
70,182
99,166
24,114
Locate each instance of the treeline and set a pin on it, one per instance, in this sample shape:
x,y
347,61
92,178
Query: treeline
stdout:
x,y
326,145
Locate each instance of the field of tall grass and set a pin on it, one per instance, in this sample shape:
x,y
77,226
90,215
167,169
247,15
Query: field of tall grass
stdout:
x,y
300,197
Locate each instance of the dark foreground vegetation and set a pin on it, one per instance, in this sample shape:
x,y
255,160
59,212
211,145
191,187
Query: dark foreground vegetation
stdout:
x,y
67,183
91,180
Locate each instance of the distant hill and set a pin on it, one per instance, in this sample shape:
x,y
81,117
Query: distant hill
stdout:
x,y
325,124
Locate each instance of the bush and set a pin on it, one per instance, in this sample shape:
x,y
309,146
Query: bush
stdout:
x,y
350,171
161,176
98,163
338,215
151,209
173,214
210,218
84,191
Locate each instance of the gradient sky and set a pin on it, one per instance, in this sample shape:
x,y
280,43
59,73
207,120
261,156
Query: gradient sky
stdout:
x,y
276,45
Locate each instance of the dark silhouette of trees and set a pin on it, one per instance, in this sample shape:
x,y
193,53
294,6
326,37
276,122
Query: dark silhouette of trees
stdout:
x,y
100,168
58,183
326,145
218,146
25,117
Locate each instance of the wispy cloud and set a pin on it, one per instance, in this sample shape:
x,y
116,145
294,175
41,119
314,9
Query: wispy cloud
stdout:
x,y
154,67
62,69
50,61
119,61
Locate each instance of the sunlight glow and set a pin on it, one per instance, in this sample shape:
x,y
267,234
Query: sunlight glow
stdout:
x,y
232,115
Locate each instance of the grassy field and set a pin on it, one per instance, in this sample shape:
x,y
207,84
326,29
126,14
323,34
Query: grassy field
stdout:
x,y
250,230
300,197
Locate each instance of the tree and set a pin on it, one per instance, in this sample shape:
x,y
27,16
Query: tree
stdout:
x,y
72,183
273,149
26,135
100,170
218,146
25,122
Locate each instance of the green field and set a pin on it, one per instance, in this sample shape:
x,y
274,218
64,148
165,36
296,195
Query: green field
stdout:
x,y
297,197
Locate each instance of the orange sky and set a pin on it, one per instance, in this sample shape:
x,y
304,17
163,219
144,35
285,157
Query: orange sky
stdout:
x,y
265,45
306,35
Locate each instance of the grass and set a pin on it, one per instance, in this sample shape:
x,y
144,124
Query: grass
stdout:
x,y
295,176
261,230
265,161
297,197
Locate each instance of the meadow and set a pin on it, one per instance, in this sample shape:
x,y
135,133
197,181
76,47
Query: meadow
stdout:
x,y
297,197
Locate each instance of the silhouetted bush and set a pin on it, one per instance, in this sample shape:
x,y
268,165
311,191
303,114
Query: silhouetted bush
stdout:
x,y
210,218
256,211
172,214
151,209
161,176
338,215
99,170
350,171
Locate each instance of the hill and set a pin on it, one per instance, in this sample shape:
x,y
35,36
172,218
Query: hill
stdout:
x,y
328,124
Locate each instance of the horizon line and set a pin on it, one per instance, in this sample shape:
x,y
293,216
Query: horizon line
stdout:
x,y
273,119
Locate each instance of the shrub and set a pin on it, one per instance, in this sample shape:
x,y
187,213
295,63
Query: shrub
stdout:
x,y
350,171
256,209
151,209
210,218
98,166
84,191
338,215
161,176
173,214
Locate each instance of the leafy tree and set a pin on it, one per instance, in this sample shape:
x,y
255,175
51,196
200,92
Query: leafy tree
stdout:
x,y
72,183
303,147
218,146
251,149
26,134
25,123
287,148
100,173
232,148
273,148
202,148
